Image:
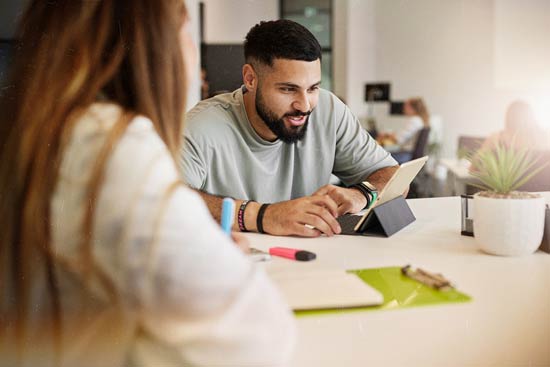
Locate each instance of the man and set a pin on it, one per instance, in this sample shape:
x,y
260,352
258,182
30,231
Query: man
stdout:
x,y
278,139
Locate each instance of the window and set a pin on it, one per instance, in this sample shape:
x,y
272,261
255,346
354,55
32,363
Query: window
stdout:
x,y
316,16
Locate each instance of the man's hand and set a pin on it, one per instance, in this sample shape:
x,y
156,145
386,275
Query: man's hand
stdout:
x,y
348,200
352,200
309,216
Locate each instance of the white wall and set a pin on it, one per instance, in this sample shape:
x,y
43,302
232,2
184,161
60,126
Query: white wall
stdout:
x,y
339,47
360,60
522,51
440,50
228,21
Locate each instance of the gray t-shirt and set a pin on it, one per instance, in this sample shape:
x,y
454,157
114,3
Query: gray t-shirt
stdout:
x,y
223,155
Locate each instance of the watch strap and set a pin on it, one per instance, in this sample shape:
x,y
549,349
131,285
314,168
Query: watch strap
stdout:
x,y
374,197
370,195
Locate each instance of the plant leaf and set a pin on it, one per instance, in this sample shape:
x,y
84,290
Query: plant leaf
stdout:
x,y
529,176
503,168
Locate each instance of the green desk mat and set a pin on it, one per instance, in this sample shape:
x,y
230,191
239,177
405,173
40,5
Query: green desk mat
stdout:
x,y
399,291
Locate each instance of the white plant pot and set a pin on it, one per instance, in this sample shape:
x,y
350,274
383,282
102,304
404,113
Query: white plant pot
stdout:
x,y
508,227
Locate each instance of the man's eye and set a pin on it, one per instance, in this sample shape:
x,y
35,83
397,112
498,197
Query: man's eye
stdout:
x,y
313,89
284,89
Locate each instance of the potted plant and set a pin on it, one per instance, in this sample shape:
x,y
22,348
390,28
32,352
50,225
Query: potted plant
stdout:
x,y
507,222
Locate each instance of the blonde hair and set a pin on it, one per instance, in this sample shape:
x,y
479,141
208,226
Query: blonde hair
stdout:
x,y
69,54
420,109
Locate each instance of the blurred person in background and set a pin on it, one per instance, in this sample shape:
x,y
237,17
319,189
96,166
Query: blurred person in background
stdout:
x,y
417,117
521,128
107,259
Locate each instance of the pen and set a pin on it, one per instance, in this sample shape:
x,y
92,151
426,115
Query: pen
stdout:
x,y
228,215
291,253
258,255
436,281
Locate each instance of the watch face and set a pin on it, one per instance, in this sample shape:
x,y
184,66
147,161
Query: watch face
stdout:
x,y
369,186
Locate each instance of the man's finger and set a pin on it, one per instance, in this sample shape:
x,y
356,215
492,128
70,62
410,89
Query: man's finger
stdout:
x,y
344,208
327,202
322,191
315,221
323,216
306,230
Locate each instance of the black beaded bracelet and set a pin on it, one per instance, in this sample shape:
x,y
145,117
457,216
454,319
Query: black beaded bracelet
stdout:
x,y
260,218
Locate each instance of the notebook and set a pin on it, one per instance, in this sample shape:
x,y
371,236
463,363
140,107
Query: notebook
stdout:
x,y
396,186
326,289
398,290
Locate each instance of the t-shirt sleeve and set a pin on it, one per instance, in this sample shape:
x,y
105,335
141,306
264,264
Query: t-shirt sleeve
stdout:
x,y
193,163
358,155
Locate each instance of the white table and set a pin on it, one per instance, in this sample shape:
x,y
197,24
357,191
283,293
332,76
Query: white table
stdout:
x,y
506,324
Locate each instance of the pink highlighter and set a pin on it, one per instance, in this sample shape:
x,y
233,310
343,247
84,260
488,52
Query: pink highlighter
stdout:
x,y
291,253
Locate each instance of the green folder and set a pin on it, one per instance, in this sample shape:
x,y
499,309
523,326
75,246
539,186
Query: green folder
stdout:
x,y
399,291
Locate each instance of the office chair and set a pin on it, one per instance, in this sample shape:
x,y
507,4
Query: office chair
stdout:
x,y
419,148
468,144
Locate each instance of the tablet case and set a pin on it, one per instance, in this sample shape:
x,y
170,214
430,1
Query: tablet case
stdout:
x,y
545,245
385,219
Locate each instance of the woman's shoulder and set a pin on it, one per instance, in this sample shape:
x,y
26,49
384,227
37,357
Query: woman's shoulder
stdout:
x,y
128,154
139,151
98,124
101,118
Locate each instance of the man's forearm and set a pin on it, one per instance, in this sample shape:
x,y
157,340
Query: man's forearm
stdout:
x,y
381,177
285,217
214,204
359,199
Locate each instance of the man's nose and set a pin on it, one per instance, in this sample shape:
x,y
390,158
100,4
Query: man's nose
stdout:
x,y
302,103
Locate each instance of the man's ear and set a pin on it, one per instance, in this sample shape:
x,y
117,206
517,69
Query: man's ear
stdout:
x,y
250,78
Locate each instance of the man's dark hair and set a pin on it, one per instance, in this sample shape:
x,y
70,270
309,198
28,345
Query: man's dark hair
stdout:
x,y
280,39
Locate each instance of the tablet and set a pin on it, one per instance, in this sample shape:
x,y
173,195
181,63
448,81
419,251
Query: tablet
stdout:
x,y
396,186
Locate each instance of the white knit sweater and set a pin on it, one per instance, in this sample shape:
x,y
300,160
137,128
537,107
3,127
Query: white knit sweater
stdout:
x,y
190,297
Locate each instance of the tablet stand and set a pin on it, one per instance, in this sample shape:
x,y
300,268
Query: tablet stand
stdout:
x,y
383,220
388,218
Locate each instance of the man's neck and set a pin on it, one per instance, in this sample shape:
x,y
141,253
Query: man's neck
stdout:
x,y
255,120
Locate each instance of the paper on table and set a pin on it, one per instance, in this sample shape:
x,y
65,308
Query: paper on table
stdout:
x,y
326,289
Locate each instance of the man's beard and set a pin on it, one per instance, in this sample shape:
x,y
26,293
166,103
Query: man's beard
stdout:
x,y
288,135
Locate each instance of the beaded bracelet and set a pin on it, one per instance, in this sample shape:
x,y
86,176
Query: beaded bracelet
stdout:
x,y
240,215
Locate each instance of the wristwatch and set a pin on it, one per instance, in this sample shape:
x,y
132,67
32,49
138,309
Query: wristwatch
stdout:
x,y
368,190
